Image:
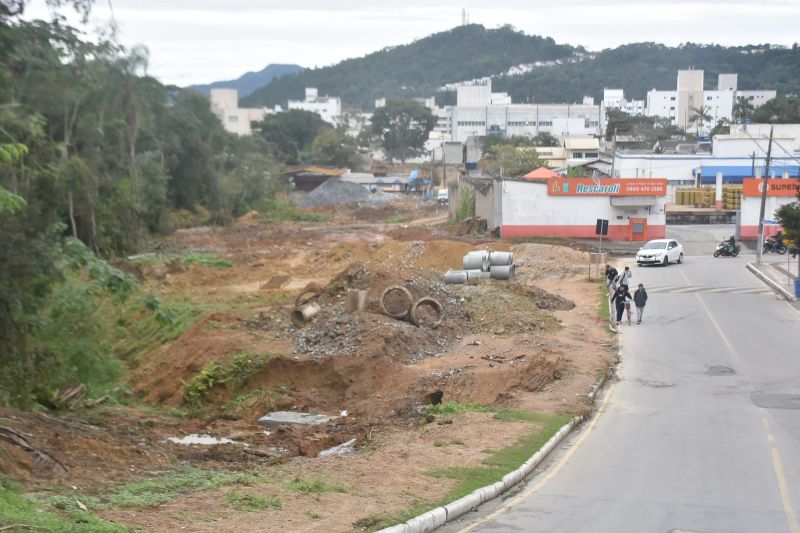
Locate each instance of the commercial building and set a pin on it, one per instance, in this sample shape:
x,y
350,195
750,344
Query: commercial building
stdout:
x,y
235,119
779,192
569,207
329,108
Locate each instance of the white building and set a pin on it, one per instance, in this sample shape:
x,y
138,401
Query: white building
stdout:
x,y
235,119
329,108
678,105
615,99
477,114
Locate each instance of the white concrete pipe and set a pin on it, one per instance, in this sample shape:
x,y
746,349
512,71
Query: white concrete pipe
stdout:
x,y
456,277
407,301
477,274
501,258
418,318
303,314
501,272
477,260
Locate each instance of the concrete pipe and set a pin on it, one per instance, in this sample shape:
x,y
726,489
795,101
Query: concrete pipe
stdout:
x,y
477,274
303,314
456,277
501,272
355,300
501,258
311,292
477,260
427,312
396,302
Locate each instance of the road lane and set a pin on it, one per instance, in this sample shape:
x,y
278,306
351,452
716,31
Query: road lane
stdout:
x,y
695,435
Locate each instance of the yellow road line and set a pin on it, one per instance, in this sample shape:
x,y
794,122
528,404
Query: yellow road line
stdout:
x,y
549,475
777,464
770,437
765,422
716,325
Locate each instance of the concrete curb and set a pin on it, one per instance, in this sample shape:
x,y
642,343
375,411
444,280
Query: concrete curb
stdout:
x,y
766,279
441,515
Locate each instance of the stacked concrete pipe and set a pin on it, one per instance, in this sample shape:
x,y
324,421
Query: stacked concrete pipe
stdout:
x,y
481,264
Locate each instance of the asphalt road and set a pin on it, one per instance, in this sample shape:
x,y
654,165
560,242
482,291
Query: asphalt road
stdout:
x,y
700,432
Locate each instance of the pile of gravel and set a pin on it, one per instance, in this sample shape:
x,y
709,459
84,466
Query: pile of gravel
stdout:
x,y
336,191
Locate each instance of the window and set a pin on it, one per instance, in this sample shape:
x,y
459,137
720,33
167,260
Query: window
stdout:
x,y
546,123
233,118
590,154
672,98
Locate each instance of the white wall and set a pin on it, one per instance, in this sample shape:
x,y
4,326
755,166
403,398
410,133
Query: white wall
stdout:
x,y
474,95
662,103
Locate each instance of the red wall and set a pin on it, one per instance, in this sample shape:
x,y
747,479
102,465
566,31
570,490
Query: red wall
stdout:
x,y
615,233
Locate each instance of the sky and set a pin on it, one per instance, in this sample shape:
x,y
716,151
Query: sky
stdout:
x,y
200,41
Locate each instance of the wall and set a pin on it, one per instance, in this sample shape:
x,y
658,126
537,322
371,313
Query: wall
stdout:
x,y
751,207
528,211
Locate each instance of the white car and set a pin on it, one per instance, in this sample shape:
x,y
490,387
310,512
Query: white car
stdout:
x,y
660,251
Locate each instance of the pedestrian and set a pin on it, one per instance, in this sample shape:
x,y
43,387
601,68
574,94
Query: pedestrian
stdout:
x,y
640,298
611,275
625,277
620,295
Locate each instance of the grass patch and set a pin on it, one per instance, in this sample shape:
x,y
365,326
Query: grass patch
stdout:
x,y
397,219
284,210
156,490
605,306
314,486
456,408
18,509
248,501
449,442
206,260
312,515
558,241
469,479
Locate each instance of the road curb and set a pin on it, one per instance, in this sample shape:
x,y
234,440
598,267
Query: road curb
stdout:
x,y
775,286
447,513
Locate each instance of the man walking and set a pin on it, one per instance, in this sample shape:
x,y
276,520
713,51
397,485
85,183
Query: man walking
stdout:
x,y
611,275
640,299
625,278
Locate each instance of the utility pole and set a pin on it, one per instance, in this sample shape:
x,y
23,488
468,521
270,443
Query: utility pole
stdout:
x,y
764,187
753,165
613,151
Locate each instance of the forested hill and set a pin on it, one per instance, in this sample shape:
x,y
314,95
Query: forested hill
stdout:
x,y
637,68
416,69
472,51
250,81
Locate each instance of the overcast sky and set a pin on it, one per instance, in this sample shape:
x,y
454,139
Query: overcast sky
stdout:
x,y
199,41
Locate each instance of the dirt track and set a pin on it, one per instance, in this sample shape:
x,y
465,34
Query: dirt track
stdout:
x,y
511,344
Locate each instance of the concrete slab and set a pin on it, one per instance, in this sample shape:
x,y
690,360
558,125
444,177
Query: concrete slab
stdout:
x,y
282,418
778,276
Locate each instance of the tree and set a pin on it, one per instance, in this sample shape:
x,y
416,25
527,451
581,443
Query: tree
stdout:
x,y
544,138
786,109
402,127
332,147
700,116
291,133
509,160
788,216
742,109
723,127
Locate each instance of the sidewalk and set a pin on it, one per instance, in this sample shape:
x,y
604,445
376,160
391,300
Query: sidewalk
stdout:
x,y
779,275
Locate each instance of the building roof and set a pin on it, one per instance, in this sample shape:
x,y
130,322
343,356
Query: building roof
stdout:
x,y
540,173
324,171
582,143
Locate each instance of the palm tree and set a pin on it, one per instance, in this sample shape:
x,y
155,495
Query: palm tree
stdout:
x,y
700,115
742,109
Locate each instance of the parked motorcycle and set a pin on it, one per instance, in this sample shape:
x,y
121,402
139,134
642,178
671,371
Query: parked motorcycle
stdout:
x,y
771,245
722,250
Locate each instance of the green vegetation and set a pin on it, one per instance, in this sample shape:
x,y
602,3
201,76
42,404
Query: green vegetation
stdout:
x,y
605,305
249,501
313,515
236,372
155,490
314,486
510,160
457,408
494,467
206,260
780,110
466,204
28,514
283,210
448,442
401,127
398,219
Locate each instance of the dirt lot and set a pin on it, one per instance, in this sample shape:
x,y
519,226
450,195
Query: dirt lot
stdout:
x,y
534,343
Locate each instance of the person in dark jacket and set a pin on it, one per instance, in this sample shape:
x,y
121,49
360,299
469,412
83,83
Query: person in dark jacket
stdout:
x,y
611,275
620,295
640,299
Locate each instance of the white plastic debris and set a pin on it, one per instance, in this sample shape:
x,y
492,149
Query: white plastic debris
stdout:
x,y
342,449
205,440
344,413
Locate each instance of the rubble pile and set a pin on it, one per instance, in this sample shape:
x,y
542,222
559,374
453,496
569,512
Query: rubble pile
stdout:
x,y
541,260
336,191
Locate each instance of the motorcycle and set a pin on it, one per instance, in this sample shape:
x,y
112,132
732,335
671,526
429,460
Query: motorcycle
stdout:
x,y
722,250
771,245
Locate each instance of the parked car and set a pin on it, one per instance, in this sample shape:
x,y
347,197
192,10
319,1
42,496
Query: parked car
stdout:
x,y
442,197
660,252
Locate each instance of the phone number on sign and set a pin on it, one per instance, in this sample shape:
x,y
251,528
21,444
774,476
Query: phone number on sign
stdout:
x,y
644,188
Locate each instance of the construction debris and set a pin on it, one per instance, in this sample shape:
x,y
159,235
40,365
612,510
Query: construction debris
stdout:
x,y
291,418
302,315
481,265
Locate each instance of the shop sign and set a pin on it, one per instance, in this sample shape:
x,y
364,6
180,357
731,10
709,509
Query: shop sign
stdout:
x,y
775,186
606,187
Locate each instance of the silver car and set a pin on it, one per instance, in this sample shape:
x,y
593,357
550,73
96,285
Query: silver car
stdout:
x,y
660,252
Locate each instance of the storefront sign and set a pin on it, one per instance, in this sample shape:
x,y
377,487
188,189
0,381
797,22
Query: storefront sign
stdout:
x,y
606,187
775,186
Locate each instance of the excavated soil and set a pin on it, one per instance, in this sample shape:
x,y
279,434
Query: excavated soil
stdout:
x,y
535,342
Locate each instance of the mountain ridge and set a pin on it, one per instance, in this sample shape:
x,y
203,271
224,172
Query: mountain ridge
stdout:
x,y
251,80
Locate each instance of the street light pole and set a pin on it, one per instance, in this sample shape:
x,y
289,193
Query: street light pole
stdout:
x,y
764,187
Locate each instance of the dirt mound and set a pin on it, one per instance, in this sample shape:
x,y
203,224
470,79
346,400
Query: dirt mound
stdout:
x,y
371,333
548,300
539,260
504,309
412,233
